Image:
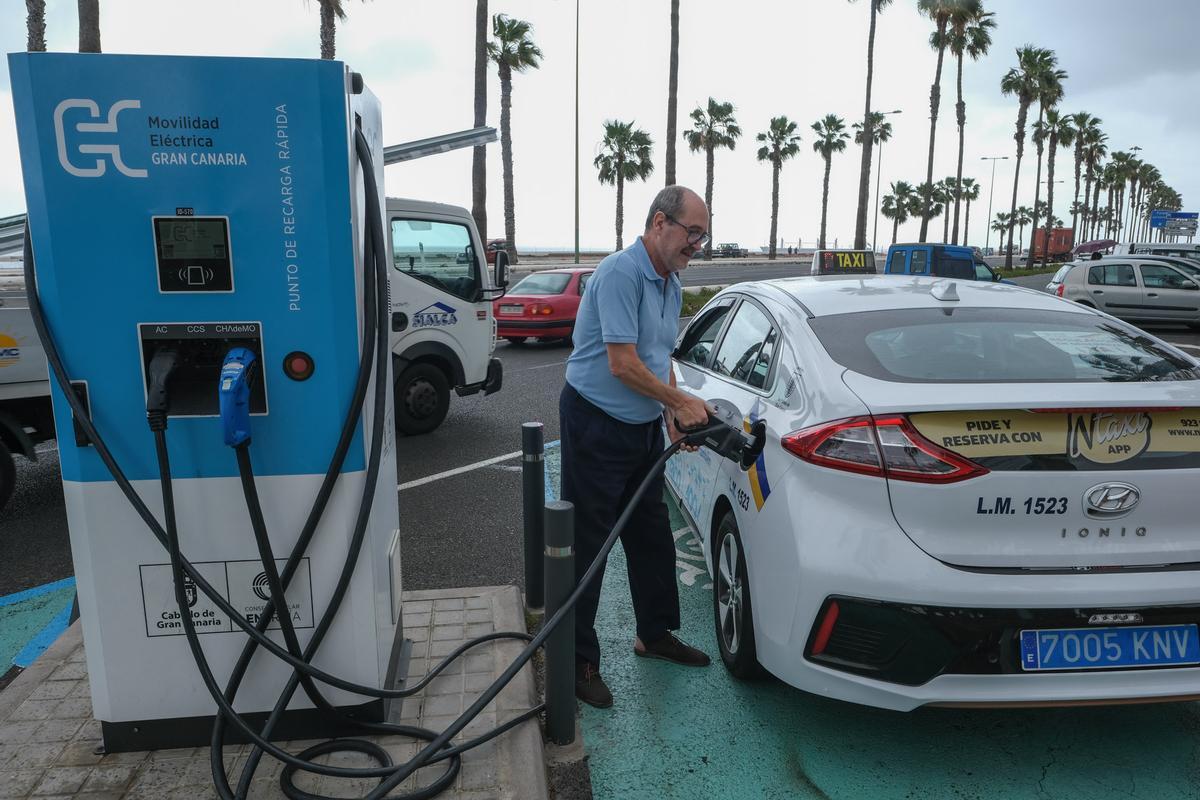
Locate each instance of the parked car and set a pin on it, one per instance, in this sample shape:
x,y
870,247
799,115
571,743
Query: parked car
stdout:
x,y
1135,288
967,498
941,260
1180,249
542,305
730,250
493,246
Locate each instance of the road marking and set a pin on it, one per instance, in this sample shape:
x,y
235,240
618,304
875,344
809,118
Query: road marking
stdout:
x,y
1188,346
450,473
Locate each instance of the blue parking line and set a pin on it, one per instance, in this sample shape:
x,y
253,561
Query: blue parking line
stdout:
x,y
36,591
31,620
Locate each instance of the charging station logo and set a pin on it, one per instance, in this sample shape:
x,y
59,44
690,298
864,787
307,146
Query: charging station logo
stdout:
x,y
261,587
10,350
437,315
109,125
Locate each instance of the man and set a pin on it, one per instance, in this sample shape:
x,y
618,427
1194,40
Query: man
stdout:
x,y
620,390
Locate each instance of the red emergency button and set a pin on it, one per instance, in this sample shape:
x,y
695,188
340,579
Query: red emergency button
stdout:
x,y
298,366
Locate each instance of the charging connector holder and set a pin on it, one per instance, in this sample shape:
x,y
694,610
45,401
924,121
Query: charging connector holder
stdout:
x,y
201,349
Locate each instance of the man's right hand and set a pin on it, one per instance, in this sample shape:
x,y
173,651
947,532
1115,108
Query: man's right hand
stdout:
x,y
689,411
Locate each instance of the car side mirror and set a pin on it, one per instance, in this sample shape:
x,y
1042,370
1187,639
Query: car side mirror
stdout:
x,y
502,269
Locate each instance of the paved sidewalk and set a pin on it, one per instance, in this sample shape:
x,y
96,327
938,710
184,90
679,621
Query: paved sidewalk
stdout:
x,y
49,741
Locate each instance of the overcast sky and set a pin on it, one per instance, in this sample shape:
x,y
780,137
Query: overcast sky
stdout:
x,y
1136,67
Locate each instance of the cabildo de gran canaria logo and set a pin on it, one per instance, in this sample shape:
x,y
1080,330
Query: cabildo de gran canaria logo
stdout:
x,y
435,316
1107,438
10,350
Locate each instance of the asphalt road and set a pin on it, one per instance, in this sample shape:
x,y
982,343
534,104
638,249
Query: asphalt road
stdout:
x,y
458,530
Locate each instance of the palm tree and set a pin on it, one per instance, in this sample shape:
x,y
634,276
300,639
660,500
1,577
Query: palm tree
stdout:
x,y
1022,218
1050,92
1025,82
1002,224
1094,149
1131,175
1112,176
512,50
89,26
624,156
1095,210
970,34
35,26
930,202
969,191
898,205
479,154
779,143
1086,128
940,12
868,124
1148,177
331,12
881,131
831,138
1120,161
949,195
673,93
712,128
1061,131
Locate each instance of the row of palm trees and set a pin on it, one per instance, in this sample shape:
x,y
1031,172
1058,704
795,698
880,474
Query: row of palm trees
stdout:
x,y
927,201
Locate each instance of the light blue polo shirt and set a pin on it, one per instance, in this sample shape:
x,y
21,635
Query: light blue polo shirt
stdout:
x,y
626,302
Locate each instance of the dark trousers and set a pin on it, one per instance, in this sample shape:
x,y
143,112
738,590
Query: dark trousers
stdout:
x,y
604,460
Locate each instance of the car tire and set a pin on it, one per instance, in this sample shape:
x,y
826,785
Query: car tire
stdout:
x,y
8,475
518,340
422,397
732,611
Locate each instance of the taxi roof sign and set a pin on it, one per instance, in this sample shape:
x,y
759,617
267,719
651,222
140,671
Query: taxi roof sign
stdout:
x,y
843,262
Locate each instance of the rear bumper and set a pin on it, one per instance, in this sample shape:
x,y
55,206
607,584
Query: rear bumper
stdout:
x,y
552,327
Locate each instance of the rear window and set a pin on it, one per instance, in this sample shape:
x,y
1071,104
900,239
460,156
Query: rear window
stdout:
x,y
1061,275
960,268
542,283
995,345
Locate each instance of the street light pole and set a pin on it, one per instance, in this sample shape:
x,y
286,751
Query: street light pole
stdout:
x,y
987,239
878,178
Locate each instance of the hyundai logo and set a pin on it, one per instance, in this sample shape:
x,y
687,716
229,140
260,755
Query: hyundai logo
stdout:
x,y
1110,500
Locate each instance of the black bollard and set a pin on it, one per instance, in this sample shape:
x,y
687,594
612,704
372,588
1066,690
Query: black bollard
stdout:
x,y
533,476
560,645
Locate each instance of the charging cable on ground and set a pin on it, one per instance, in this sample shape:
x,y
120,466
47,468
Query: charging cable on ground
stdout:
x,y
717,436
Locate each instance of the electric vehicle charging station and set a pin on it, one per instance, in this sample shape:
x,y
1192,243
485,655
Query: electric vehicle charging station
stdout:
x,y
197,205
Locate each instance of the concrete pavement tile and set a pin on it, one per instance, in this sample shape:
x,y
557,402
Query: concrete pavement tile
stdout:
x,y
478,681
437,650
71,671
110,779
62,780
82,689
416,620
449,604
479,614
438,723
417,635
73,708
418,606
18,782
77,655
18,731
447,633
34,755
56,730
171,755
480,774
54,690
196,792
449,617
441,705
477,629
154,781
479,662
479,602
33,710
79,754
264,789
135,757
90,730
445,684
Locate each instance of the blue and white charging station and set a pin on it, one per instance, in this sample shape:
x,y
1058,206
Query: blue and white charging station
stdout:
x,y
200,205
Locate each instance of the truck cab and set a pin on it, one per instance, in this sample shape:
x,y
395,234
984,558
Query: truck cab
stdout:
x,y
941,260
443,331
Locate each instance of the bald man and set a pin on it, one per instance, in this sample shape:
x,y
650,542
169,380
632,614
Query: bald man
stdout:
x,y
620,389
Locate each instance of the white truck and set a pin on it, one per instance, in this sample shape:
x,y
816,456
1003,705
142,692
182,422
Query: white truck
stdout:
x,y
443,330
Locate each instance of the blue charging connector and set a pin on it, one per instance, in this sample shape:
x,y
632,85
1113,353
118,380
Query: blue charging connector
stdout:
x,y
234,394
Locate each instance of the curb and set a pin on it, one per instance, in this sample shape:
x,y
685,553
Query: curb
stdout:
x,y
23,685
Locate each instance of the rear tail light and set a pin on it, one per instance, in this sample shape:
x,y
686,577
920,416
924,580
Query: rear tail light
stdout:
x,y
887,447
542,309
1058,290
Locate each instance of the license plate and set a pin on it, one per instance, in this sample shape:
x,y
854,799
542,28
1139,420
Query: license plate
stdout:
x,y
1110,648
511,309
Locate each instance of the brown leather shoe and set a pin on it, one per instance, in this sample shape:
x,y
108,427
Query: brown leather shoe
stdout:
x,y
669,648
590,687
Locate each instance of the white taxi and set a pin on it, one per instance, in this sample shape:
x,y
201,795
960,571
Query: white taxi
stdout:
x,y
972,494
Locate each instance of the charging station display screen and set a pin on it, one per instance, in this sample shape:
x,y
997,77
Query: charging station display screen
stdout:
x,y
193,254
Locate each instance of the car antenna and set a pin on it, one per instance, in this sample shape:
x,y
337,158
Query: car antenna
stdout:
x,y
944,290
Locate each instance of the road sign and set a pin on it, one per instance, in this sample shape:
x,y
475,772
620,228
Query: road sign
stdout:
x,y
1159,217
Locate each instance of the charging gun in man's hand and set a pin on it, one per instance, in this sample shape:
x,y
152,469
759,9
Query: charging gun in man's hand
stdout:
x,y
723,434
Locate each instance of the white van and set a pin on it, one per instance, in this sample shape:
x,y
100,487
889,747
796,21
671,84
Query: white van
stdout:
x,y
1177,249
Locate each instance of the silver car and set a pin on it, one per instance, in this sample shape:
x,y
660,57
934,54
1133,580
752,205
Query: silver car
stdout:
x,y
1136,288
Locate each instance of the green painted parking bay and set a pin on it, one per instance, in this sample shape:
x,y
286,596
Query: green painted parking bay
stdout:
x,y
676,732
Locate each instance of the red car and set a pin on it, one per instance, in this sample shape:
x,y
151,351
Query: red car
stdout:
x,y
493,245
542,305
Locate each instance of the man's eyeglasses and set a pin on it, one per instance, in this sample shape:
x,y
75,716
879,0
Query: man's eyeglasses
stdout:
x,y
695,237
